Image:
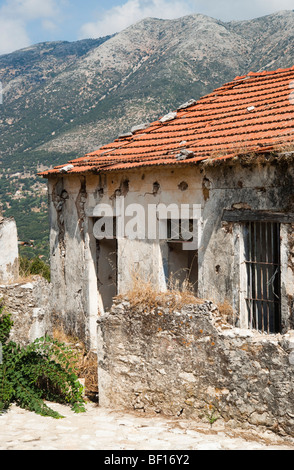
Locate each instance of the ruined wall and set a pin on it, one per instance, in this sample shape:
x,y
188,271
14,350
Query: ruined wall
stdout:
x,y
239,185
191,363
232,184
8,251
76,297
29,306
67,255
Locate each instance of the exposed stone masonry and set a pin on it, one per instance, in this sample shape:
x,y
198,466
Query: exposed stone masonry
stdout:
x,y
185,363
28,303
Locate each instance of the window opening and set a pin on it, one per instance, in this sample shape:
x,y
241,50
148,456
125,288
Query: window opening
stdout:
x,y
262,258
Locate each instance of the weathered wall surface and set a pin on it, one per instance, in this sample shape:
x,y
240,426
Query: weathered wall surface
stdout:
x,y
68,265
8,251
29,305
77,299
187,363
241,185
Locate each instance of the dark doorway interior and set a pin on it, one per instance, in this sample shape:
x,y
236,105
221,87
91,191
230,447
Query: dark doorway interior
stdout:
x,y
107,270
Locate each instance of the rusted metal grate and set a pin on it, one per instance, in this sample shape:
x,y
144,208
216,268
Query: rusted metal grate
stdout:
x,y
262,257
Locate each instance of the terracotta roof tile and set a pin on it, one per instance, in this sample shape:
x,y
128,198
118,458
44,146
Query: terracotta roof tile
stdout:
x,y
254,112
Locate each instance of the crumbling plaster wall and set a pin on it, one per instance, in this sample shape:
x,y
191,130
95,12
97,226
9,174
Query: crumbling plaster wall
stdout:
x,y
215,187
75,296
8,251
236,185
68,264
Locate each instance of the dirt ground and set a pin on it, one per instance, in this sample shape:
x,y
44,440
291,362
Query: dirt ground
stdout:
x,y
103,429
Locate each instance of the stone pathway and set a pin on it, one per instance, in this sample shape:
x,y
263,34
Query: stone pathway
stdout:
x,y
101,429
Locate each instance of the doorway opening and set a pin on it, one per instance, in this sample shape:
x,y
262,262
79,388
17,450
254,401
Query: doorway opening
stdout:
x,y
106,263
182,255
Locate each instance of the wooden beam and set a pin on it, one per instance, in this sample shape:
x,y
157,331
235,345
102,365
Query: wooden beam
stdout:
x,y
245,215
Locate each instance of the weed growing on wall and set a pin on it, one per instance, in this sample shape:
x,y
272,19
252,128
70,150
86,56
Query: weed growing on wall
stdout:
x,y
142,291
35,266
42,371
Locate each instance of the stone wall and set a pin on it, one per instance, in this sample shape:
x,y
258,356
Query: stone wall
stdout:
x,y
28,302
192,363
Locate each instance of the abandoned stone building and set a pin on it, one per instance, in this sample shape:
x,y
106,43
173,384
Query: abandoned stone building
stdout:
x,y
226,163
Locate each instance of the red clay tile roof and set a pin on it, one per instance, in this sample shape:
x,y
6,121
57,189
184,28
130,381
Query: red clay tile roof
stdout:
x,y
253,113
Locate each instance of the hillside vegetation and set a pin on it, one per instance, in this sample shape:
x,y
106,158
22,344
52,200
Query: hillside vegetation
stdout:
x,y
63,99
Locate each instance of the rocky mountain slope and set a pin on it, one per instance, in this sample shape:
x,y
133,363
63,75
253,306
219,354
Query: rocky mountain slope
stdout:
x,y
61,99
72,97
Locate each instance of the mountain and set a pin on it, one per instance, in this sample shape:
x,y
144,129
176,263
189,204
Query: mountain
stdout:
x,y
63,99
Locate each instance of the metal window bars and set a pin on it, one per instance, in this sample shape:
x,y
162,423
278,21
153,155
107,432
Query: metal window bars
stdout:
x,y
262,258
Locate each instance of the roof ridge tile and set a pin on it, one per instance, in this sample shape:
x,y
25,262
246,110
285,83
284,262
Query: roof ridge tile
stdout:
x,y
217,123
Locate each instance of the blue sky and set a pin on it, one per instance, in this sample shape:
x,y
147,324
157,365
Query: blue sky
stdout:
x,y
26,22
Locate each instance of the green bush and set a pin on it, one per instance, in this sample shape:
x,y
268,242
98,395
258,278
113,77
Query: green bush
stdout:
x,y
33,266
43,370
